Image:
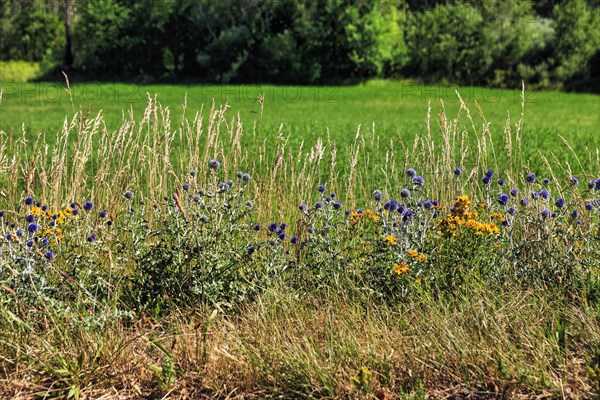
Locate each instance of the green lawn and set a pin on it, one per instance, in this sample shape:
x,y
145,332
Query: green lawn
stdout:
x,y
396,108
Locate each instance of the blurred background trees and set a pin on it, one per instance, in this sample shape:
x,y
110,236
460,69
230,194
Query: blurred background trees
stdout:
x,y
549,44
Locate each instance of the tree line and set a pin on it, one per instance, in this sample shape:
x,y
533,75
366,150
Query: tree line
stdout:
x,y
548,44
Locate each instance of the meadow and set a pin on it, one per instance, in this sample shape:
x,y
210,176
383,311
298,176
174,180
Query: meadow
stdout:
x,y
210,254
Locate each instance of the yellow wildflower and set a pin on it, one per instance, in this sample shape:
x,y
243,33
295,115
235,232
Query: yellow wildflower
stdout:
x,y
391,240
401,268
412,253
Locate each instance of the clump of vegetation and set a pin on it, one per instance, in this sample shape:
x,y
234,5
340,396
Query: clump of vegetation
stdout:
x,y
119,265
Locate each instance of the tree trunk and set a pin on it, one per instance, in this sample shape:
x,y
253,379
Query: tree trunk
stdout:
x,y
68,45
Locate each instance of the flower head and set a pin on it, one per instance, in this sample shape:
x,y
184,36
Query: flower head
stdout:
x,y
530,178
294,240
560,202
377,195
546,181
418,180
574,214
405,193
128,194
458,171
88,206
486,180
489,173
49,255
514,192
321,188
102,214
214,164
500,182
545,214
574,181
589,206
503,199
411,172
544,194
186,186
32,228
28,200
272,226
30,218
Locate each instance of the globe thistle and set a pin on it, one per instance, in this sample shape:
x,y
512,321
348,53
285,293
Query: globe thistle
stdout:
x,y
272,226
458,171
486,180
408,216
223,186
546,181
49,255
88,206
230,183
337,204
530,178
500,182
560,202
281,236
391,205
427,204
52,224
75,212
294,240
186,186
102,214
29,218
318,205
73,205
574,181
328,199
249,204
591,184
512,211
401,210
405,193
535,195
193,173
347,212
44,242
256,227
574,214
250,250
8,236
418,180
246,177
544,194
303,207
91,238
589,206
524,201
411,172
28,200
503,199
32,228
283,226
321,188
360,211
311,230
545,214
19,232
332,195
377,195
128,194
44,207
214,164
29,243
489,173
1,213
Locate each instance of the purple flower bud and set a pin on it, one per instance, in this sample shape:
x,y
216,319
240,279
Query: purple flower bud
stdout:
x,y
514,192
88,206
530,178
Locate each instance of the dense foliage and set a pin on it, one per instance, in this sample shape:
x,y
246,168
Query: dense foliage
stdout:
x,y
325,41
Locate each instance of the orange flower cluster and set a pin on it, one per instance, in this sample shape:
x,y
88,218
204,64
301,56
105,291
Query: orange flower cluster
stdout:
x,y
357,217
461,215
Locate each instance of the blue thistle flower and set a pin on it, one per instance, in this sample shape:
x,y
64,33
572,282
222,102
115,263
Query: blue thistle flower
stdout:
x,y
52,224
408,216
574,214
214,164
44,207
32,228
49,255
186,186
486,180
29,243
8,236
20,232
418,180
391,205
318,205
535,195
427,204
589,206
246,177
328,199
332,195
458,171
311,230
283,226
530,178
272,226
546,181
294,240
524,201
321,188
360,211
514,192
1,213
347,212
405,193
28,200
574,181
29,218
544,194
377,195
591,184
102,214
250,250
411,172
256,227
512,211
560,202
545,214
500,182
503,199
337,204
44,242
302,207
489,173
91,238
88,206
282,236
75,211
128,194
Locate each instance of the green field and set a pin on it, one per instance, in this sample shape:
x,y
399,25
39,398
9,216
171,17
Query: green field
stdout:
x,y
397,110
